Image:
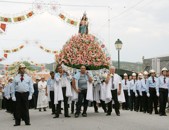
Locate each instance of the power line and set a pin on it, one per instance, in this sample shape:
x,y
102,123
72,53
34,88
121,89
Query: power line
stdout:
x,y
121,13
70,5
128,9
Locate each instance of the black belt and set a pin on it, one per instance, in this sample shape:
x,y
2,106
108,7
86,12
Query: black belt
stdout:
x,y
22,92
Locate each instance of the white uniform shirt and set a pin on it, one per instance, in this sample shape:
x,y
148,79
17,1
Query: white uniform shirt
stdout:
x,y
127,85
116,81
163,84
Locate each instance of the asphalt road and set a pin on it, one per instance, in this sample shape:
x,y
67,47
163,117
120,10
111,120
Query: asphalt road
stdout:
x,y
95,121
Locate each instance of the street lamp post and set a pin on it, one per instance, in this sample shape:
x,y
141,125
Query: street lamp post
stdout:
x,y
118,45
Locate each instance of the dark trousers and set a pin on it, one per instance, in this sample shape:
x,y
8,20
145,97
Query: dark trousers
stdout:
x,y
116,102
35,99
138,105
4,103
163,98
82,101
103,105
22,107
132,100
144,101
66,105
153,100
72,106
52,101
125,105
7,104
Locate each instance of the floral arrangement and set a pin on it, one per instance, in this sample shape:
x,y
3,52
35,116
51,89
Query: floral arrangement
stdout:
x,y
84,50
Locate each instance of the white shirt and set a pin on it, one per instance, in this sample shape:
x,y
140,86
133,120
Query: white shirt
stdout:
x,y
63,81
116,81
127,85
161,82
132,85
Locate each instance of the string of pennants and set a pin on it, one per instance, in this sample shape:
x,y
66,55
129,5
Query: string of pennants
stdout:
x,y
17,63
37,8
20,47
16,19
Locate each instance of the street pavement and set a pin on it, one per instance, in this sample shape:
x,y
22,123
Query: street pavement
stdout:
x,y
95,121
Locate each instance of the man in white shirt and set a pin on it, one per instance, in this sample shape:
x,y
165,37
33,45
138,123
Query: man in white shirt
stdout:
x,y
115,81
163,87
131,91
138,105
144,98
125,85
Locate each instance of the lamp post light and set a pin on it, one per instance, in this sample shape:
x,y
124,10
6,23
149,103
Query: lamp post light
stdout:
x,y
118,45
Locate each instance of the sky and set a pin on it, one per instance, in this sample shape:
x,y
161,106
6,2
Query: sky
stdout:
x,y
142,26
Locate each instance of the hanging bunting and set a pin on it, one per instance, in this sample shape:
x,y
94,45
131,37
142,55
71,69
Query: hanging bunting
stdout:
x,y
47,50
5,19
2,28
62,16
19,18
15,49
40,7
72,22
4,57
30,14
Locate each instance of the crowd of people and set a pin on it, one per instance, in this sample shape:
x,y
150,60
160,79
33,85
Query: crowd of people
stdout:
x,y
141,92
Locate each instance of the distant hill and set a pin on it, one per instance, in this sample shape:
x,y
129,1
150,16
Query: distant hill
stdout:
x,y
136,67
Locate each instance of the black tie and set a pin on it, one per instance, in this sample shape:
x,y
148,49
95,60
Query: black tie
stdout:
x,y
145,81
164,80
112,82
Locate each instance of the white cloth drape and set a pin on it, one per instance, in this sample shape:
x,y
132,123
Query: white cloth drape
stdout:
x,y
89,91
58,94
96,93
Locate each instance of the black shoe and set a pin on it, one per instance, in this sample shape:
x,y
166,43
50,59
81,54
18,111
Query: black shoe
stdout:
x,y
44,109
165,114
40,110
105,111
67,116
72,112
96,112
84,114
76,115
27,124
52,113
16,125
56,116
118,114
108,114
156,113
